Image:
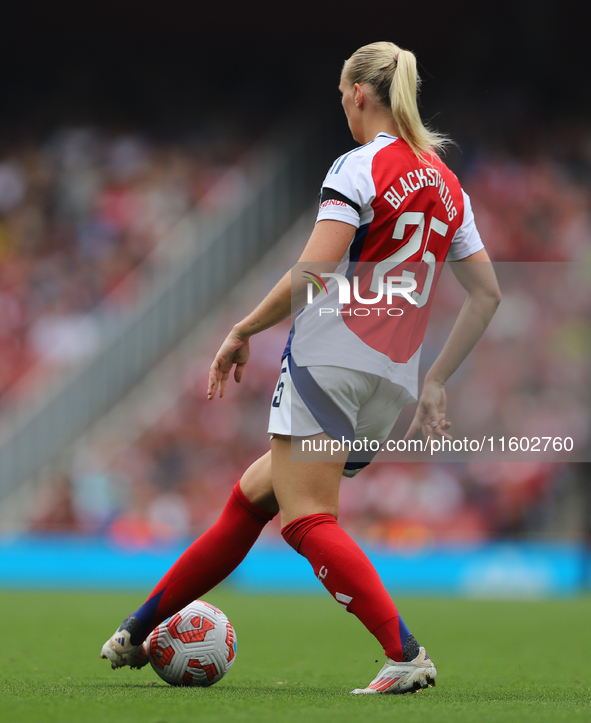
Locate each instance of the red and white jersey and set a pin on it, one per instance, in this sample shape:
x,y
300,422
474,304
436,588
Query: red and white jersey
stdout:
x,y
410,217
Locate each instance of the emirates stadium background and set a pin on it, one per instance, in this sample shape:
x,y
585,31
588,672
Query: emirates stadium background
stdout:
x,y
159,168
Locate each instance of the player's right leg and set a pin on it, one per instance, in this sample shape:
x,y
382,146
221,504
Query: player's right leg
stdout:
x,y
208,561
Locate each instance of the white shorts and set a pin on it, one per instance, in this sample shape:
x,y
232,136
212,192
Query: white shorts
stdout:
x,y
343,403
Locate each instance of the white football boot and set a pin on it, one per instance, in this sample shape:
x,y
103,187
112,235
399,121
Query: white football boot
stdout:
x,y
396,678
120,651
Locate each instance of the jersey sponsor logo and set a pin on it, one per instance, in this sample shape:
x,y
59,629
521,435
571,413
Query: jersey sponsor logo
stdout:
x,y
333,202
336,198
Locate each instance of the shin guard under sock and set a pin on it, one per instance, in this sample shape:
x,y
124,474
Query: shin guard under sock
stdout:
x,y
347,573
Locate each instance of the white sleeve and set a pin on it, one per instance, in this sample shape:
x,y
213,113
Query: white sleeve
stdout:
x,y
348,189
467,240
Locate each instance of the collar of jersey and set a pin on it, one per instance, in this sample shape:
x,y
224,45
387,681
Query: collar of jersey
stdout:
x,y
387,135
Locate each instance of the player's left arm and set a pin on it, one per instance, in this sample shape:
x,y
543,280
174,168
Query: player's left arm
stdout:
x,y
484,295
327,245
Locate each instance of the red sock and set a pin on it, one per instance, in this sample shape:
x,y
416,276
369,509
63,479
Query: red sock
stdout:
x,y
208,561
346,572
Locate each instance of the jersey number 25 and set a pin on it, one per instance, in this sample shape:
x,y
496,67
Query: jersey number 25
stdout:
x,y
410,248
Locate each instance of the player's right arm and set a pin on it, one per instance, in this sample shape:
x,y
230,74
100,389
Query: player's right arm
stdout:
x,y
480,282
327,245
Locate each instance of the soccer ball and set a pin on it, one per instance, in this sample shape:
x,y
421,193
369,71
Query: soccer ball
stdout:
x,y
197,646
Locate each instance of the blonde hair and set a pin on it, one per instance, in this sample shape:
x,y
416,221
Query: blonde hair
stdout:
x,y
392,74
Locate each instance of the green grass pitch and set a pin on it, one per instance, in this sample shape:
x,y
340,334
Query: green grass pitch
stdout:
x,y
298,656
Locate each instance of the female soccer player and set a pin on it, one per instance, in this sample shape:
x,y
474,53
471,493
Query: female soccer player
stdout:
x,y
388,203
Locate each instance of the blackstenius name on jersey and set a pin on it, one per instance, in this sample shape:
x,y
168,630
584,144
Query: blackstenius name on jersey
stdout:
x,y
419,178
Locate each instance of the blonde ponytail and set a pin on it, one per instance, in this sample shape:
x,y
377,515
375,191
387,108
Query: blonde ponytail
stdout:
x,y
392,73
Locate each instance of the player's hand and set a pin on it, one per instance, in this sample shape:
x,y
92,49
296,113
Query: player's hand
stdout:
x,y
430,414
234,350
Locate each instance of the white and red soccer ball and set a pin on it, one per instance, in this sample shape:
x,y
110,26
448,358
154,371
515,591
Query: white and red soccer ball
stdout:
x,y
196,646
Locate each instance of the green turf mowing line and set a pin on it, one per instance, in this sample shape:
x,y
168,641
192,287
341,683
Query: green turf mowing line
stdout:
x,y
297,659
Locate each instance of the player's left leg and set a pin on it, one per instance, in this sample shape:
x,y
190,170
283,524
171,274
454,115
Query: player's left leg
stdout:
x,y
208,561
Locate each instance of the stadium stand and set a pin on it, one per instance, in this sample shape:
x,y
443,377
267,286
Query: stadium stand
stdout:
x,y
168,479
85,220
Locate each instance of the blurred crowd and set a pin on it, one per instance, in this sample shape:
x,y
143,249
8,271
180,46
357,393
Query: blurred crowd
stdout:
x,y
529,375
81,217
536,209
